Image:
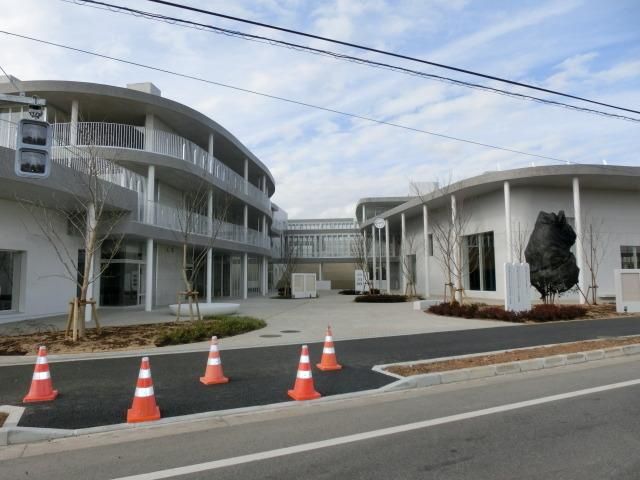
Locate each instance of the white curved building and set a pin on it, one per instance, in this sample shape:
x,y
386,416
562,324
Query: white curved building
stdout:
x,y
155,151
495,214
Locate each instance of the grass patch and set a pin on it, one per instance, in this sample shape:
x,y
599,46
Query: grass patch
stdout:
x,y
539,313
222,326
384,298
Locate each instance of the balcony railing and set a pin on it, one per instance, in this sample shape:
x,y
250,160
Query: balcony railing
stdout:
x,y
180,221
117,135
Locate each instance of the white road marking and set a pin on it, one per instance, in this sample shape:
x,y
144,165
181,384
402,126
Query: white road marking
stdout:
x,y
332,442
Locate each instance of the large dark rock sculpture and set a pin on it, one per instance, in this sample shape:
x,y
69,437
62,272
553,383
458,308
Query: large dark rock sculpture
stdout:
x,y
548,253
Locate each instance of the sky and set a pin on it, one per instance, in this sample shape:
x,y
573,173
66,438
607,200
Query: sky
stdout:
x,y
323,162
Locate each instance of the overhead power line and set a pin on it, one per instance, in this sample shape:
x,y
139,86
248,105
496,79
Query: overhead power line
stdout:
x,y
283,99
388,53
280,43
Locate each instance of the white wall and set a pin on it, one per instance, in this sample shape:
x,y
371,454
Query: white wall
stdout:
x,y
45,288
618,211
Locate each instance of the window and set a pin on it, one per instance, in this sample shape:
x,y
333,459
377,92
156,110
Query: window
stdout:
x,y
9,279
629,256
479,262
430,244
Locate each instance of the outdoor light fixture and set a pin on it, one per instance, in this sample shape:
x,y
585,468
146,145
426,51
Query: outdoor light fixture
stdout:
x,y
33,148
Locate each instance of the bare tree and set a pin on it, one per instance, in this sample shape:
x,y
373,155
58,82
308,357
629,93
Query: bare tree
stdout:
x,y
594,246
408,268
448,231
193,220
86,214
288,263
519,240
360,246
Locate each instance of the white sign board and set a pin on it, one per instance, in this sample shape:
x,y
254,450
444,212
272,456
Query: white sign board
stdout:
x,y
361,282
517,290
627,290
303,285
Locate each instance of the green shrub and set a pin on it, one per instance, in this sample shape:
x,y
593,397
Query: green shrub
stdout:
x,y
384,298
223,326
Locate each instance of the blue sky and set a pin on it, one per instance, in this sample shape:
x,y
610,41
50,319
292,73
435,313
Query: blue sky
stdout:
x,y
322,162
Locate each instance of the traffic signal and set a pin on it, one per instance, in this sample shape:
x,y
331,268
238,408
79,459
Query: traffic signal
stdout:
x,y
33,149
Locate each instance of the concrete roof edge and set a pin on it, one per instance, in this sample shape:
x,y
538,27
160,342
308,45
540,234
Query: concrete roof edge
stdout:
x,y
136,95
509,175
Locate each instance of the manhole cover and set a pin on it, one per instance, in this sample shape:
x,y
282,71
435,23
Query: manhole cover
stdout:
x,y
271,335
289,331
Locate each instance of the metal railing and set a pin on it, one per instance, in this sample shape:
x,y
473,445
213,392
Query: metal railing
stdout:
x,y
117,135
80,160
179,220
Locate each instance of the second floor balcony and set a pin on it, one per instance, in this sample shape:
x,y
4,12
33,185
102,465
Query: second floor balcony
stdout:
x,y
131,137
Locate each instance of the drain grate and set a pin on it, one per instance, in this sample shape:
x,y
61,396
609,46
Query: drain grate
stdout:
x,y
289,331
270,335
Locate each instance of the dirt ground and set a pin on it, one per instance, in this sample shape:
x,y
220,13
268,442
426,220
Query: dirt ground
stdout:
x,y
510,356
604,310
109,339
3,417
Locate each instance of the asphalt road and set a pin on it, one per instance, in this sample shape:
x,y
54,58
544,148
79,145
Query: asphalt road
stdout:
x,y
98,392
592,435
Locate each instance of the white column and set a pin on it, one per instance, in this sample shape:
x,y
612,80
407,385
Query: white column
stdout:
x,y
364,247
403,259
456,250
579,247
149,128
425,226
148,294
507,219
364,214
246,175
388,265
97,264
73,132
320,271
209,292
151,185
246,223
210,151
245,279
373,253
265,276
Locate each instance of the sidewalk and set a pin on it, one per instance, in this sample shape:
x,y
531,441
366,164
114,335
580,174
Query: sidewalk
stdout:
x,y
288,321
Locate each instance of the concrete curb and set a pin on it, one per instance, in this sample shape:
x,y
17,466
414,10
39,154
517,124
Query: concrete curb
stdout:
x,y
485,371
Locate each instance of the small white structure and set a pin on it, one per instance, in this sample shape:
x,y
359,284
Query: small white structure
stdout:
x,y
207,309
361,283
303,285
517,287
627,290
323,285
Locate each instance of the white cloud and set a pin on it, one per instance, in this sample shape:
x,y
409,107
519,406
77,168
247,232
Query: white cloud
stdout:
x,y
324,162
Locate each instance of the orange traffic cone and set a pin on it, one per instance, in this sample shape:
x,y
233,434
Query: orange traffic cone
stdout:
x,y
213,374
328,360
303,388
143,408
41,386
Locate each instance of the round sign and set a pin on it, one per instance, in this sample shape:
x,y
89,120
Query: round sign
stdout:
x,y
379,222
